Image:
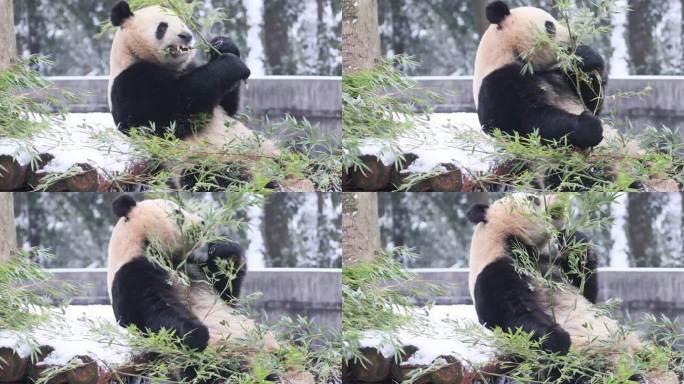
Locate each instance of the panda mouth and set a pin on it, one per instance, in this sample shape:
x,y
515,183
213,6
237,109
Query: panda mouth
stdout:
x,y
178,50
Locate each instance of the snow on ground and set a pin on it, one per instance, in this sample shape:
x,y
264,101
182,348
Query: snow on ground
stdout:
x,y
80,138
439,340
72,336
438,140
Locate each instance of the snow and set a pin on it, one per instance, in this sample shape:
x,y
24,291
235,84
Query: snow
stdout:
x,y
435,141
618,41
71,335
256,51
80,138
255,251
618,233
438,340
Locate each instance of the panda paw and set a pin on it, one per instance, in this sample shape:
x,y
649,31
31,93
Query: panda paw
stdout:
x,y
637,378
224,45
589,131
591,60
229,250
196,335
233,65
558,341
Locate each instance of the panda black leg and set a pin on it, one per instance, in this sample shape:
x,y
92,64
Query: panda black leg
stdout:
x,y
504,299
142,296
231,252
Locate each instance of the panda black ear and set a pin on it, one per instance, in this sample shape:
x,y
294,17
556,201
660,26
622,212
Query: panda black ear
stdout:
x,y
120,12
497,11
122,205
477,213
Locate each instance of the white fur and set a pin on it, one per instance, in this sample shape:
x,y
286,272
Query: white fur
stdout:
x,y
156,219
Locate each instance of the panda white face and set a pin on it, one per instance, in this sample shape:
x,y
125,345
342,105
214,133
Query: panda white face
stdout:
x,y
532,31
154,34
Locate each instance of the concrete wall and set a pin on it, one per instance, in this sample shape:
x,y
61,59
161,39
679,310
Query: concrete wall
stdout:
x,y
311,292
662,106
318,98
642,290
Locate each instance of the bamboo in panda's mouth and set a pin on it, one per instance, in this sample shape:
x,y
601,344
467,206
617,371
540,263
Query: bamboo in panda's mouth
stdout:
x,y
177,50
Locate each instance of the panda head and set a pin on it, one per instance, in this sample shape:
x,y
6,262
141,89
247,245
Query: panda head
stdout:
x,y
153,34
514,33
528,217
160,222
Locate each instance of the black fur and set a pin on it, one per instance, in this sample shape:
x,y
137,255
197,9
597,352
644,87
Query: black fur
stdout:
x,y
588,269
504,299
231,101
477,213
515,102
120,12
161,30
497,11
593,65
122,205
224,286
142,296
146,93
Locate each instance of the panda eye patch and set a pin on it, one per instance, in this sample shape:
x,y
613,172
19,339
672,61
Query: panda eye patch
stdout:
x,y
161,30
550,28
534,200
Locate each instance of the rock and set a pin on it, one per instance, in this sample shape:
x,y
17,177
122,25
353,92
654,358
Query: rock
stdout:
x,y
13,175
375,178
377,367
450,373
13,368
84,371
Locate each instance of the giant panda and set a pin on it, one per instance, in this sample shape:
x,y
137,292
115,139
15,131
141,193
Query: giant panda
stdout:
x,y
143,294
506,298
153,81
547,100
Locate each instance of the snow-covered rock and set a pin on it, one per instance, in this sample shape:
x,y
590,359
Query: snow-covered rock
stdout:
x,y
424,343
81,143
71,335
435,146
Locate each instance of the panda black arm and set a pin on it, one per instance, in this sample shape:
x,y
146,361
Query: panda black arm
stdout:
x,y
515,102
231,101
143,95
204,87
588,264
504,299
228,287
141,295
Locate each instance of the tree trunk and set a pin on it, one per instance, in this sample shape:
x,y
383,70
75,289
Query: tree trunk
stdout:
x,y
8,42
360,35
275,231
640,43
641,213
8,232
275,36
360,228
480,19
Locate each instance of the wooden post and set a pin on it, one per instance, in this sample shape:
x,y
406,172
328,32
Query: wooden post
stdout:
x,y
8,42
360,35
360,228
8,232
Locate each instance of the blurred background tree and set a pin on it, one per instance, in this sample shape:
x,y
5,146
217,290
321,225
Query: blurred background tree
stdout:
x,y
276,37
443,34
646,230
288,230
